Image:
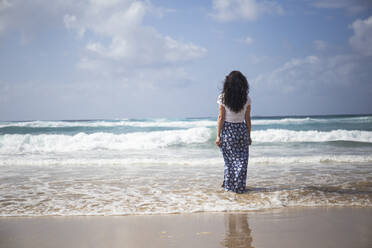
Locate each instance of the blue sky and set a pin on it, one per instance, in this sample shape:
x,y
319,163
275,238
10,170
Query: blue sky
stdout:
x,y
153,59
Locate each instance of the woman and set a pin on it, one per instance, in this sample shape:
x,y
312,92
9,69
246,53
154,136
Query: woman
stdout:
x,y
234,130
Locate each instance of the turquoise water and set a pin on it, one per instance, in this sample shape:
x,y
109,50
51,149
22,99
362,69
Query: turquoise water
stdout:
x,y
149,166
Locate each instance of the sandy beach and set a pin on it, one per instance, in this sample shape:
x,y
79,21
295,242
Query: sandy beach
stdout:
x,y
289,227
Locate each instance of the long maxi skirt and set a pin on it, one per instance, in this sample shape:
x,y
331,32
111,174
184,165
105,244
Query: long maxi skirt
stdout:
x,y
234,145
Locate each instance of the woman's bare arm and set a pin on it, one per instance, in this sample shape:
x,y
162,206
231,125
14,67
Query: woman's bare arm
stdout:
x,y
248,122
220,121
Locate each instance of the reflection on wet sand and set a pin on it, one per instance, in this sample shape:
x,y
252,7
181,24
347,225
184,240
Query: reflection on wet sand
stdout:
x,y
238,233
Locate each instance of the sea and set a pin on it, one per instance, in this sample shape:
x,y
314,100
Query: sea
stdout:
x,y
160,166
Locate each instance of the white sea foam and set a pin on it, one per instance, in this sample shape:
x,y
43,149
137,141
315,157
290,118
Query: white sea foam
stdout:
x,y
176,184
16,143
178,123
119,196
119,123
309,120
316,159
19,143
284,135
176,161
282,121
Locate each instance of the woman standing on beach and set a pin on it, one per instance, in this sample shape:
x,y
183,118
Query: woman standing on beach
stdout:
x,y
234,130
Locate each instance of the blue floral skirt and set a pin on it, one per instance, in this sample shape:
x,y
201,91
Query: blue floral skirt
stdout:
x,y
234,145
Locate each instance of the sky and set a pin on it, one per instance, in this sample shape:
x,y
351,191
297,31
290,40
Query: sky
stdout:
x,y
105,59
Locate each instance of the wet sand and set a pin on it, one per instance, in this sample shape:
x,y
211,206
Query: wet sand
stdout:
x,y
288,227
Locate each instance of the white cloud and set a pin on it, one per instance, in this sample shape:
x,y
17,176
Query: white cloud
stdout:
x,y
287,77
32,16
247,40
4,4
71,23
123,42
229,10
320,45
352,6
361,41
114,39
179,51
311,72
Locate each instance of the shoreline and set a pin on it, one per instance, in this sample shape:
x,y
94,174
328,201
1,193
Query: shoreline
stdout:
x,y
250,211
285,227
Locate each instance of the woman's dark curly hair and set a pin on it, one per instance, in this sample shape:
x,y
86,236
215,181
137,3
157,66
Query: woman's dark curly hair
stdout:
x,y
235,91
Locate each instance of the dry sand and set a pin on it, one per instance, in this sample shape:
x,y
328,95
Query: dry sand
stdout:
x,y
289,227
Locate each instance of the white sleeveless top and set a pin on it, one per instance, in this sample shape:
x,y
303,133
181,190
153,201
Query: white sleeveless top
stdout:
x,y
231,116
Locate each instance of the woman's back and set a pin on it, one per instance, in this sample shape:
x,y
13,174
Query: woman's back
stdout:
x,y
230,115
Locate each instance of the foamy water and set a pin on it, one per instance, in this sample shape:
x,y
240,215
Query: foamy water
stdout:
x,y
117,167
